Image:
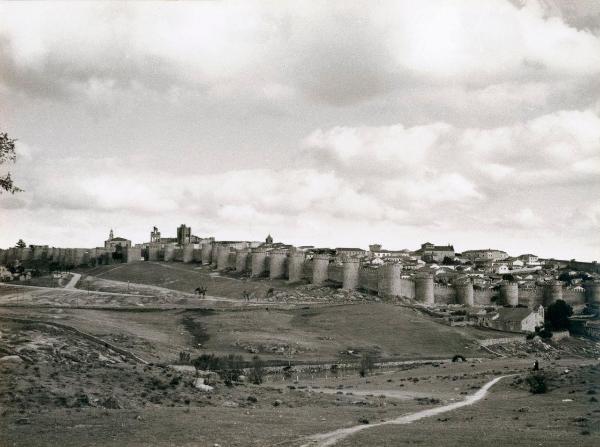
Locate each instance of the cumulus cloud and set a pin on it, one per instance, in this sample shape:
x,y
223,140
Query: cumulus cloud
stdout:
x,y
413,119
334,52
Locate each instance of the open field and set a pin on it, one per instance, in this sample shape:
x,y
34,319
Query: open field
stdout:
x,y
182,278
306,334
96,368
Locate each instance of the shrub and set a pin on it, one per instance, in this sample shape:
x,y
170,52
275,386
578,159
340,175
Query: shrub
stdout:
x,y
257,372
558,314
537,383
367,363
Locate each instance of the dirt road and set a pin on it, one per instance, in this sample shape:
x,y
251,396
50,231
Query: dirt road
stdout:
x,y
74,280
330,438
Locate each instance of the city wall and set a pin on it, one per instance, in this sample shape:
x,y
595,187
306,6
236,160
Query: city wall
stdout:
x,y
386,281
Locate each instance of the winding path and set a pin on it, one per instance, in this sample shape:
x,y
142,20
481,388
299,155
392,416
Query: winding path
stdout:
x,y
74,280
330,438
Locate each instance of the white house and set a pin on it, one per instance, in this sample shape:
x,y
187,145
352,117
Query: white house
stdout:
x,y
515,319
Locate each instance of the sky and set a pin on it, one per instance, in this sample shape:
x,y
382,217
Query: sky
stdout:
x,y
339,123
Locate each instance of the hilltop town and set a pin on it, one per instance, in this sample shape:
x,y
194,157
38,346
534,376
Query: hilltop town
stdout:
x,y
433,275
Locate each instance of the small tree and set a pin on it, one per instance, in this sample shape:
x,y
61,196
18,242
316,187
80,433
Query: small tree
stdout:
x,y
7,153
232,367
558,314
537,383
367,363
21,244
257,373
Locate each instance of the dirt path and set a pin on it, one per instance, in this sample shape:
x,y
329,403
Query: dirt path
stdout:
x,y
74,280
330,438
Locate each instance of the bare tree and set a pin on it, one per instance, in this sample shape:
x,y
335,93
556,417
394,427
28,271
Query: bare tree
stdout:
x,y
7,153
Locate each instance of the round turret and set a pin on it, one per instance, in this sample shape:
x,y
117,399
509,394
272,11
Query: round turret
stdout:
x,y
388,280
509,293
592,292
552,292
188,253
241,260
223,257
424,289
296,266
214,255
320,268
206,253
350,274
259,262
277,263
464,292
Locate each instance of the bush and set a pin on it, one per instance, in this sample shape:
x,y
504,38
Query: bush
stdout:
x,y
257,372
367,363
537,383
231,368
558,314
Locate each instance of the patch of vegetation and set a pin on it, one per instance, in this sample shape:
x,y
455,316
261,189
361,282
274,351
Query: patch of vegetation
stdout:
x,y
367,363
538,383
557,315
196,329
257,372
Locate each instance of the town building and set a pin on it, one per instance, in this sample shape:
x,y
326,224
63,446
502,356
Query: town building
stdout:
x,y
345,253
113,243
486,253
435,253
515,319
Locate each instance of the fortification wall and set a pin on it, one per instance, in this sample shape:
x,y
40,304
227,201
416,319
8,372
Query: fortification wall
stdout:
x,y
368,279
198,255
154,253
443,294
335,273
188,254
531,297
132,254
574,297
483,297
169,253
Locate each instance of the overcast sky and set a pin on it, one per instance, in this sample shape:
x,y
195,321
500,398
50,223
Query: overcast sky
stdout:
x,y
328,123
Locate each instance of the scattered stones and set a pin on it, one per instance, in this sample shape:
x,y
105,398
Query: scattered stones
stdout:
x,y
11,359
277,402
111,403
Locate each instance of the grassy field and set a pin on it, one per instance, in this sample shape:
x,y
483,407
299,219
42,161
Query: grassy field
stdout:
x,y
567,415
305,334
183,278
69,390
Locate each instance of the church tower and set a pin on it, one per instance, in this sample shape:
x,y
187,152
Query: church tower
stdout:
x,y
111,235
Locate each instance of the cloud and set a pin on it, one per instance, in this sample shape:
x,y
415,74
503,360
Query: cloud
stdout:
x,y
408,118
337,53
